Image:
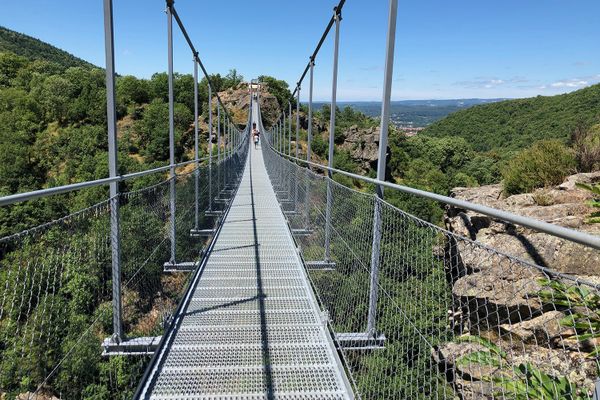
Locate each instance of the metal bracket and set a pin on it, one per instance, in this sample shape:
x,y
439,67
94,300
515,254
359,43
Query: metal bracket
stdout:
x,y
202,232
320,265
213,213
140,346
301,232
180,267
360,341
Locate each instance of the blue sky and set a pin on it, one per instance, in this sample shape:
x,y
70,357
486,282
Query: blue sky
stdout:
x,y
444,49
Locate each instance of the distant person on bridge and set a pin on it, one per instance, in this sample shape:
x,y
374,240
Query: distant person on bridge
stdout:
x,y
255,134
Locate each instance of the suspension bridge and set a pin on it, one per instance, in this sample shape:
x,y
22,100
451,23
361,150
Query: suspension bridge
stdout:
x,y
258,275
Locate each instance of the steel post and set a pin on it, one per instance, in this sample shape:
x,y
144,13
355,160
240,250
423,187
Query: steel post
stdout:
x,y
381,165
310,109
113,166
298,122
294,179
219,166
228,147
290,129
171,128
332,134
196,174
278,131
210,147
309,142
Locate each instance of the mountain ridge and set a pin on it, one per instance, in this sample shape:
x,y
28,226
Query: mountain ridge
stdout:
x,y
36,49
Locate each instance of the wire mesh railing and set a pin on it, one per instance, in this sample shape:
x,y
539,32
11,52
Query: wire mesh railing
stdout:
x,y
453,318
56,279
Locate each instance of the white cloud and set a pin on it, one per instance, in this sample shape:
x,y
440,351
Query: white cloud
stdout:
x,y
490,82
569,83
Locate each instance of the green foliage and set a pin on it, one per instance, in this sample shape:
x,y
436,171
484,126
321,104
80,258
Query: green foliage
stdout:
x,y
513,125
595,202
131,90
232,79
319,146
546,163
34,49
153,129
520,382
583,304
279,89
586,142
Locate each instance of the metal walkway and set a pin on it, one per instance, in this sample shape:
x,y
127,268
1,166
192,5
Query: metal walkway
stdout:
x,y
250,326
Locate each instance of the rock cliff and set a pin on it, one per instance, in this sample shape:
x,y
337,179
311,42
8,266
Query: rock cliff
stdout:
x,y
532,317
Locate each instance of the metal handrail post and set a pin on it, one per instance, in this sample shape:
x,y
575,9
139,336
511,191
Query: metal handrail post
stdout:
x,y
309,140
294,181
111,117
210,146
196,175
229,150
290,129
219,166
332,134
298,122
381,165
171,127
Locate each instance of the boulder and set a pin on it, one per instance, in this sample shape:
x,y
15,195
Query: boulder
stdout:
x,y
446,356
543,330
570,181
503,293
565,205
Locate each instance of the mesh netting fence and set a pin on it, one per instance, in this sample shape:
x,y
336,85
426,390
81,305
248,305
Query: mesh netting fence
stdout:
x,y
453,317
56,286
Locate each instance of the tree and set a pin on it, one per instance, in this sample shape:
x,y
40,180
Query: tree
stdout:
x,y
131,90
279,89
10,64
232,79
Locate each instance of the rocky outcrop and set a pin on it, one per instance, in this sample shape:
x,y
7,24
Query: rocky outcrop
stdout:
x,y
237,102
363,146
565,205
480,376
500,293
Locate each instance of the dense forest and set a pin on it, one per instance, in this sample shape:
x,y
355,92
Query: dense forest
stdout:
x,y
53,125
34,49
524,143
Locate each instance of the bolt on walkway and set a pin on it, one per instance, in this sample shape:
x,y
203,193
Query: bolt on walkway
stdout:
x,y
250,326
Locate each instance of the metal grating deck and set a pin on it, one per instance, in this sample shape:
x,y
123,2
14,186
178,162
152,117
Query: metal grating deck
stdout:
x,y
250,327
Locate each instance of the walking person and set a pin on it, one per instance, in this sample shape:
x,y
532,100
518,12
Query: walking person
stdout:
x,y
255,135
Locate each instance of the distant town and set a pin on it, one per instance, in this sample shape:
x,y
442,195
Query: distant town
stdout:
x,y
412,116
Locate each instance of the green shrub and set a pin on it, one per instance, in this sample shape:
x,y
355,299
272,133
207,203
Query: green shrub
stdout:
x,y
586,143
595,202
546,163
319,146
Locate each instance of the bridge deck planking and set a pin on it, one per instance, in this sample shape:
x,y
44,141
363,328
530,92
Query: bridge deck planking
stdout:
x,y
251,327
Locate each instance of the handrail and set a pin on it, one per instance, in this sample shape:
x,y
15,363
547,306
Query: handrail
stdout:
x,y
541,226
20,197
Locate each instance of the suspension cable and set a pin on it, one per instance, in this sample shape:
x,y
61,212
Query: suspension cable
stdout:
x,y
337,14
171,5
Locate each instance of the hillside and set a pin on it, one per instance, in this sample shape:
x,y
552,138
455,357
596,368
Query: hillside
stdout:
x,y
514,124
35,49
